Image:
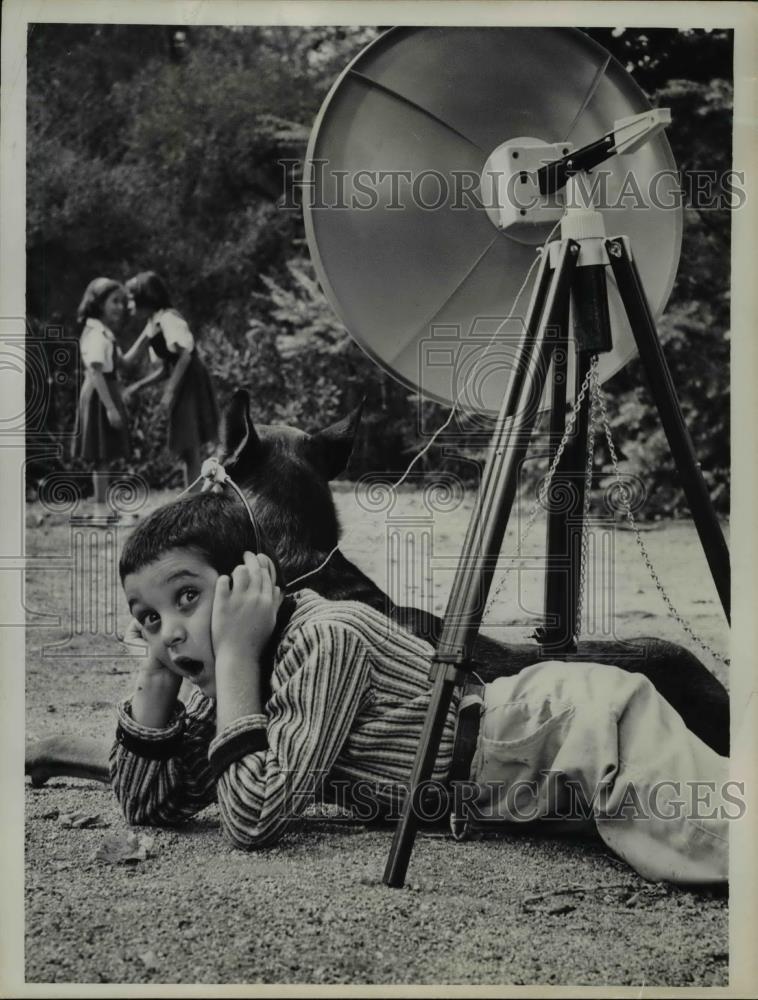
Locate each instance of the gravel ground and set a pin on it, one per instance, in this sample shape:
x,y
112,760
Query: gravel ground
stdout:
x,y
497,910
314,910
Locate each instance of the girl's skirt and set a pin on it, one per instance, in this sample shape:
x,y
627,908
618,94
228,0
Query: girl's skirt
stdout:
x,y
193,419
95,439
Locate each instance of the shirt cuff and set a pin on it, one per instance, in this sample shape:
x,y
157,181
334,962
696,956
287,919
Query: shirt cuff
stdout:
x,y
243,736
154,744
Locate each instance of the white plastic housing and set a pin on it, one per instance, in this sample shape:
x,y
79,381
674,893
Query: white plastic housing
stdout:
x,y
509,188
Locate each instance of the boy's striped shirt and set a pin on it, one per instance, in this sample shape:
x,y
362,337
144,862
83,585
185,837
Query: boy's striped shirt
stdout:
x,y
350,690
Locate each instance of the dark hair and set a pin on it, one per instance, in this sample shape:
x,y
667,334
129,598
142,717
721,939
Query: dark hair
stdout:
x,y
95,294
148,289
217,525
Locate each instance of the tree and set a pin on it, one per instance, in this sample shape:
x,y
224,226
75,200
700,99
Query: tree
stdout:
x,y
689,72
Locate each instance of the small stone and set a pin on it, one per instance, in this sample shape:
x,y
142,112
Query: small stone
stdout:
x,y
149,960
120,848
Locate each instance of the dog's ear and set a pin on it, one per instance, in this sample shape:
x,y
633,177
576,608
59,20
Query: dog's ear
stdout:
x,y
334,444
238,435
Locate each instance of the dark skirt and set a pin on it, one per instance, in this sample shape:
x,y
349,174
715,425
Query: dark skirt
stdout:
x,y
193,419
95,439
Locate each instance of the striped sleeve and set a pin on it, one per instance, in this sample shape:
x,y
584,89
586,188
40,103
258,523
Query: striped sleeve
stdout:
x,y
156,789
325,682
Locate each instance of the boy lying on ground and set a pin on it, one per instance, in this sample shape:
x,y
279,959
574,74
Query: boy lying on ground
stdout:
x,y
294,693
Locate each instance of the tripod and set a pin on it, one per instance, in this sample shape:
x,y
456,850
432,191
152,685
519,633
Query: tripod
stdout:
x,y
573,268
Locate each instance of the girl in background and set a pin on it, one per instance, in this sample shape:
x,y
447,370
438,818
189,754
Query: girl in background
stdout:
x,y
188,394
102,428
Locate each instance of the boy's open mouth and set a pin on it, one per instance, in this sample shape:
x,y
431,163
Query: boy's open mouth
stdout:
x,y
189,666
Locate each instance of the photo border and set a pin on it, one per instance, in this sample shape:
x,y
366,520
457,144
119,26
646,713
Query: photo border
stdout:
x,y
743,18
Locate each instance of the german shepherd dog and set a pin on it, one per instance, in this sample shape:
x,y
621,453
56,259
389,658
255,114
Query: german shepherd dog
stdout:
x,y
285,474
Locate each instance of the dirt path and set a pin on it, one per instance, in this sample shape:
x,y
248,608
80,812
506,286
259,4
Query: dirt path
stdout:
x,y
499,910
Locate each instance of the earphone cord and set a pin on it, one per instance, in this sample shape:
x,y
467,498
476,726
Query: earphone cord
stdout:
x,y
192,485
213,472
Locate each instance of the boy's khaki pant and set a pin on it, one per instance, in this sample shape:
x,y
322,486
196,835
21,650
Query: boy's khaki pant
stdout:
x,y
586,740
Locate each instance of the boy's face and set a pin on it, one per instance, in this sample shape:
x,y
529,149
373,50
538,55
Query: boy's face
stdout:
x,y
172,599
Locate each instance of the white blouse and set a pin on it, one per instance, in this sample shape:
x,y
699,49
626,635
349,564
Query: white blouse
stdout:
x,y
96,345
175,329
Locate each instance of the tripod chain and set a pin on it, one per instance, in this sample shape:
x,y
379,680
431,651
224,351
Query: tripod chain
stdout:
x,y
626,504
544,485
592,376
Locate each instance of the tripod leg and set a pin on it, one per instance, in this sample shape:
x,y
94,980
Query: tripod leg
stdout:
x,y
485,535
556,515
564,527
664,394
565,523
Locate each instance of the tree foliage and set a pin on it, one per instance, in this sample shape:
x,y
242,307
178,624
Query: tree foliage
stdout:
x,y
150,147
691,73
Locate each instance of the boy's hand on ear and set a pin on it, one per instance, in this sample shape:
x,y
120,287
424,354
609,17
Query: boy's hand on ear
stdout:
x,y
245,606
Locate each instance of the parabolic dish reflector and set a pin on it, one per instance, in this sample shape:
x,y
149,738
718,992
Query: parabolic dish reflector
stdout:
x,y
395,213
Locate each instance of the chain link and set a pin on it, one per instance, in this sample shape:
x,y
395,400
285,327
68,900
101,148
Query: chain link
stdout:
x,y
544,486
624,494
591,427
